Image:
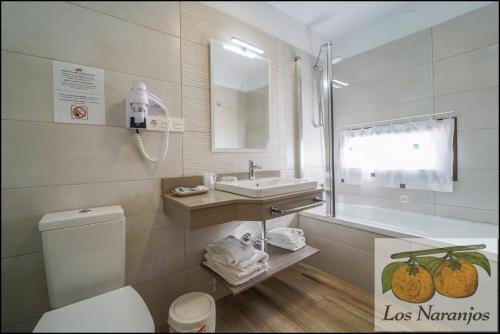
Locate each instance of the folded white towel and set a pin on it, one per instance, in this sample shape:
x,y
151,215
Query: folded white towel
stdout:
x,y
286,234
287,245
231,279
236,273
259,257
232,250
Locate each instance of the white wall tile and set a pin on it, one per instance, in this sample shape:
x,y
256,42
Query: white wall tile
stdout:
x,y
388,193
471,31
44,154
478,149
89,38
407,85
474,189
466,71
403,109
476,109
420,207
163,16
458,212
398,55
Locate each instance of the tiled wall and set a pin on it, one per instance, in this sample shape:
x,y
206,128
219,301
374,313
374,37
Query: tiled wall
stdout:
x,y
49,166
452,66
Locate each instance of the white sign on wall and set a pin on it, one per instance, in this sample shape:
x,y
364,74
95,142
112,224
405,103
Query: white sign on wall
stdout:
x,y
78,94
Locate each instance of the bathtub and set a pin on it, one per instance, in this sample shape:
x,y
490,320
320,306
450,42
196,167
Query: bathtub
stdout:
x,y
406,224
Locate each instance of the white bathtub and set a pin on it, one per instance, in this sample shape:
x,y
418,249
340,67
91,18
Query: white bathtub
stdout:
x,y
406,224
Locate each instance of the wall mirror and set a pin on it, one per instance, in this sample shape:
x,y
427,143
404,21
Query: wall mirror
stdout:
x,y
240,98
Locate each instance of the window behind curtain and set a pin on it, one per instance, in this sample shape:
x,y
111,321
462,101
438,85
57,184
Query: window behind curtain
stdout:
x,y
413,155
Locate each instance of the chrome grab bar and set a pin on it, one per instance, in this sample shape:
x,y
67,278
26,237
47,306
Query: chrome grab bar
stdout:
x,y
316,202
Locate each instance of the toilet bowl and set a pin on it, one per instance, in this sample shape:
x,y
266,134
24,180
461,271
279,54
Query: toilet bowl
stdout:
x,y
120,310
84,257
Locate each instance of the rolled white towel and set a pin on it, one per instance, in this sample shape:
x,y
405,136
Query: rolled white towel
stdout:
x,y
259,257
287,245
286,234
232,250
232,280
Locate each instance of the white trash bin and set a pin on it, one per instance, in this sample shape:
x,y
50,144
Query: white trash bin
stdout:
x,y
192,312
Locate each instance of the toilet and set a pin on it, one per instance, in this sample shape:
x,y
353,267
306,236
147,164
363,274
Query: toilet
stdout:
x,y
84,255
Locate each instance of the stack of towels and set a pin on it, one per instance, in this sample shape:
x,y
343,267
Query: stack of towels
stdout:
x,y
286,237
235,260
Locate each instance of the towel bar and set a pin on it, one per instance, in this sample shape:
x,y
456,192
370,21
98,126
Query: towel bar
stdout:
x,y
316,202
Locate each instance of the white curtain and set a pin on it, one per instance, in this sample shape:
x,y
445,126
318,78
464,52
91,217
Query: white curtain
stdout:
x,y
413,155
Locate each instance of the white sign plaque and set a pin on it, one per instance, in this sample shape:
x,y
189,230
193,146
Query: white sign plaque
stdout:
x,y
78,94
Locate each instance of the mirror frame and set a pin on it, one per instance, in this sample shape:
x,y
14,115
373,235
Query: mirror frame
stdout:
x,y
212,106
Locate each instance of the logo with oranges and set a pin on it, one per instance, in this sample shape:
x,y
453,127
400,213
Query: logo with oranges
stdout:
x,y
452,275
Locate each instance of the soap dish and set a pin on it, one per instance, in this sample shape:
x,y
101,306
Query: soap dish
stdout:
x,y
190,193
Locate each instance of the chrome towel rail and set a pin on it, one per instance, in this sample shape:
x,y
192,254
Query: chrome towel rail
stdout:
x,y
316,202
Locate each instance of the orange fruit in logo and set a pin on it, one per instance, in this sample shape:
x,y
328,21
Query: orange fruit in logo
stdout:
x,y
456,278
412,283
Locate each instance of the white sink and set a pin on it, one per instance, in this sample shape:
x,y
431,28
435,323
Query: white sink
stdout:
x,y
268,186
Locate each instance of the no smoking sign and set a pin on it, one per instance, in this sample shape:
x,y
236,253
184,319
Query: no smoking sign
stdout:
x,y
79,112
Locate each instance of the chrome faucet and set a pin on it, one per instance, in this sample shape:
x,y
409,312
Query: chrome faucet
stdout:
x,y
251,169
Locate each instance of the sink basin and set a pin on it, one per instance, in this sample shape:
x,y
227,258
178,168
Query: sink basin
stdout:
x,y
268,186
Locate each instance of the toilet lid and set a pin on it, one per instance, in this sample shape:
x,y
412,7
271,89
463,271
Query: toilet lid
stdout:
x,y
120,310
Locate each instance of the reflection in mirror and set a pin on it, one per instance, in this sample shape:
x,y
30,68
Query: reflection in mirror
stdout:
x,y
240,99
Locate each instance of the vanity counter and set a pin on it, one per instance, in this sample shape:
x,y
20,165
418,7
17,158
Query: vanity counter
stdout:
x,y
218,207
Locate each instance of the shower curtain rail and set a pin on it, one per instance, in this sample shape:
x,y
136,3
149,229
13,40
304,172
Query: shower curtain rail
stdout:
x,y
396,119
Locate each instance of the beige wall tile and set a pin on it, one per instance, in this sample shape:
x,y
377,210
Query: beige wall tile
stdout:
x,y
471,31
22,327
285,55
24,289
198,279
159,293
23,208
34,100
398,55
196,108
348,263
199,158
163,16
89,38
477,109
56,154
154,253
117,88
200,23
466,71
349,236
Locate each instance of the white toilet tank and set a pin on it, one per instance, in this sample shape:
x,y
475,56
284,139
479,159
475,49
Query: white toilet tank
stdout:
x,y
84,253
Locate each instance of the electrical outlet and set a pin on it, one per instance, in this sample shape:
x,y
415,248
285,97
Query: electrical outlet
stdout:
x,y
176,124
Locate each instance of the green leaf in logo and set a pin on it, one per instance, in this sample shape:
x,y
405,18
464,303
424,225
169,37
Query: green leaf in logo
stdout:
x,y
475,258
429,262
387,275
